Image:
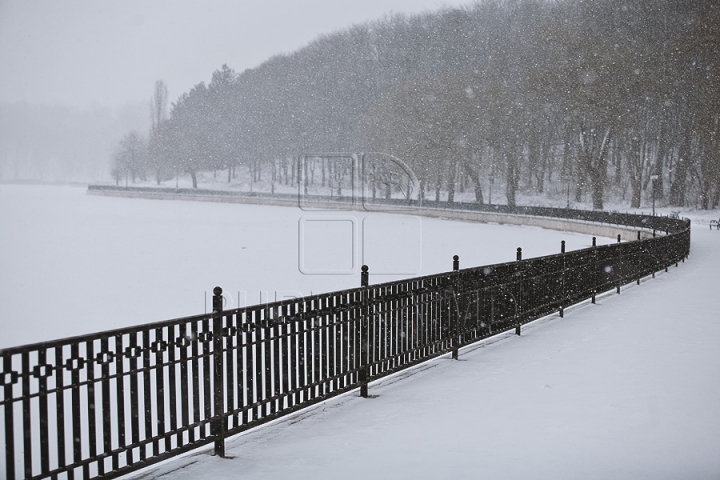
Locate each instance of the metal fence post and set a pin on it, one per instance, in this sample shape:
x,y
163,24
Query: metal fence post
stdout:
x,y
364,372
517,301
619,273
454,318
595,272
564,266
217,424
638,265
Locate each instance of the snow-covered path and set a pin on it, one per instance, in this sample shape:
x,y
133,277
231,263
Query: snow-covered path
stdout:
x,y
625,389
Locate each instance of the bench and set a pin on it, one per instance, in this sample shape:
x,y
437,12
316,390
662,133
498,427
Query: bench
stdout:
x,y
716,223
674,215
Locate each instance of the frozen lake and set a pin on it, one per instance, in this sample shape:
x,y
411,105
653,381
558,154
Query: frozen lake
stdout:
x,y
73,263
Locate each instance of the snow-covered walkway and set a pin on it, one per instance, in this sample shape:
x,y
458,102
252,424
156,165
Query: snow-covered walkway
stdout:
x,y
625,389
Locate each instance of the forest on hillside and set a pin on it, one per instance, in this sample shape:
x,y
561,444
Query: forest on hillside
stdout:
x,y
600,98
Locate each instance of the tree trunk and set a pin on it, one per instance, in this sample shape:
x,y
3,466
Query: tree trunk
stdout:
x,y
635,167
475,178
533,163
451,181
598,189
540,174
677,187
705,184
438,185
593,157
511,178
636,187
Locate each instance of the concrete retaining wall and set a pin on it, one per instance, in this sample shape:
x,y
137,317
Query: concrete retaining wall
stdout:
x,y
563,225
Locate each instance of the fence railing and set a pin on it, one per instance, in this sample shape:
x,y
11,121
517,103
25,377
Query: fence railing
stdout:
x,y
106,404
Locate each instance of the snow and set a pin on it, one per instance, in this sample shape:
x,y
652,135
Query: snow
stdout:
x,y
75,263
625,389
553,197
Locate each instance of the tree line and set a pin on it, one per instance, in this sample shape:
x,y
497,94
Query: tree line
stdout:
x,y
600,98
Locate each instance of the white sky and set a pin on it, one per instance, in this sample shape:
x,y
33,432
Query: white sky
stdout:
x,y
110,52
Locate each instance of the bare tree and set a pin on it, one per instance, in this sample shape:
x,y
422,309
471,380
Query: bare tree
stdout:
x,y
129,160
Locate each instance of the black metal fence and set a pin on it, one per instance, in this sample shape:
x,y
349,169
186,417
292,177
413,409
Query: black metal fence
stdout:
x,y
102,405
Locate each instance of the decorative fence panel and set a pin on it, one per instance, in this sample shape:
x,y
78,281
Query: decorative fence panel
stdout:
x,y
102,405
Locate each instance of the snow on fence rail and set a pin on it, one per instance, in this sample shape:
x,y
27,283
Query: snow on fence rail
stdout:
x,y
106,404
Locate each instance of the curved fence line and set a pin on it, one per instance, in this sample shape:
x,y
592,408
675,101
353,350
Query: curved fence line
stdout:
x,y
106,404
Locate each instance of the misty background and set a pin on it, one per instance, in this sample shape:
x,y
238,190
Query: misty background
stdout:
x,y
77,75
592,102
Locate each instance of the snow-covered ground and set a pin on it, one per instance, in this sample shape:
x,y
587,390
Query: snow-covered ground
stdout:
x,y
628,388
73,263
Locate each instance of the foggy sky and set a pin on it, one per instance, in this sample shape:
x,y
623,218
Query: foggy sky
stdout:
x,y
108,53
